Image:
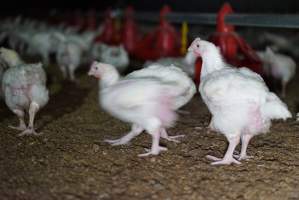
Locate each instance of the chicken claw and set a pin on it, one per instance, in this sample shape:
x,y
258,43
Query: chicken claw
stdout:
x,y
170,138
155,151
19,128
173,138
117,142
224,161
29,131
243,157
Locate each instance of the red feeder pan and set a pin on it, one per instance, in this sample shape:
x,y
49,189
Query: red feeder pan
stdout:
x,y
129,34
164,41
234,49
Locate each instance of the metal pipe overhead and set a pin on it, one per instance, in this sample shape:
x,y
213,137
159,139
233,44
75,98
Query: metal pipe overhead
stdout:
x,y
257,20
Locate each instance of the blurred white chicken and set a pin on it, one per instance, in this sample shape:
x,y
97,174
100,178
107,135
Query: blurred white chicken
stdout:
x,y
281,43
24,89
8,58
147,103
68,56
168,75
187,63
113,55
278,66
240,102
40,44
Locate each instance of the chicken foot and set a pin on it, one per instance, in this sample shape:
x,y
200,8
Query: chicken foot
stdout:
x,y
156,148
245,138
34,107
228,157
135,131
22,125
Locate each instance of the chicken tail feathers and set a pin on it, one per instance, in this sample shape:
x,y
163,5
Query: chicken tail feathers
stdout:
x,y
274,108
186,95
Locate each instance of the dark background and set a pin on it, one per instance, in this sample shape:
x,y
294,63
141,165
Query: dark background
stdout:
x,y
42,7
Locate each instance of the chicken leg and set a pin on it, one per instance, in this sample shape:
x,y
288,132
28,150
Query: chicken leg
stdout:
x,y
135,131
228,157
170,138
34,107
156,148
283,89
72,72
245,141
64,71
20,114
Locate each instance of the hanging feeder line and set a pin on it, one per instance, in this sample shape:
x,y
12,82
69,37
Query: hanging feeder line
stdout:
x,y
254,20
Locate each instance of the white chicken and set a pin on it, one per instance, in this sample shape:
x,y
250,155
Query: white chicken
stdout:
x,y
168,75
187,63
281,43
171,75
68,56
41,44
278,66
113,55
147,103
2,70
240,103
8,58
24,89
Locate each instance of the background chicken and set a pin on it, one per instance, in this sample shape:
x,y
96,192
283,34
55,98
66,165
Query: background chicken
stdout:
x,y
278,66
147,103
240,102
280,43
24,89
9,58
187,63
68,56
113,55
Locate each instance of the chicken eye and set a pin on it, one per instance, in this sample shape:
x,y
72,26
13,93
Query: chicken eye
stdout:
x,y
96,68
197,45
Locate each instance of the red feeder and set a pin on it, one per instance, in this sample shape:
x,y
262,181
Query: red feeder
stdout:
x,y
109,34
234,49
129,34
164,41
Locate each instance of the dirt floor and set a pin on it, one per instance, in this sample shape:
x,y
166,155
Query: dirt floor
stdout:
x,y
71,161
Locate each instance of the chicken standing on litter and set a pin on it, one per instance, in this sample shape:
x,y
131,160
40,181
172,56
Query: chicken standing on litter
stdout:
x,y
168,75
241,104
147,103
68,56
24,88
278,66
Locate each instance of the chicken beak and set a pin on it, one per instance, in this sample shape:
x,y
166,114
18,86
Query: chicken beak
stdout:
x,y
90,73
190,48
